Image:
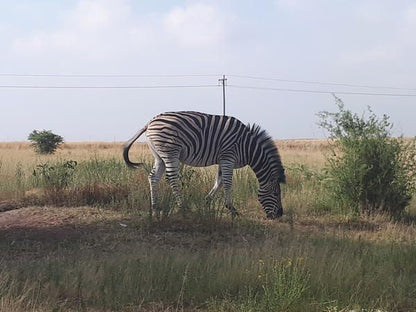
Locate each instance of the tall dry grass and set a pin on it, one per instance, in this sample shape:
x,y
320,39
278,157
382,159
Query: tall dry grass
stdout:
x,y
101,171
18,161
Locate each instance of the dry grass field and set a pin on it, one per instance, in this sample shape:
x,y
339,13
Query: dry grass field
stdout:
x,y
82,240
308,152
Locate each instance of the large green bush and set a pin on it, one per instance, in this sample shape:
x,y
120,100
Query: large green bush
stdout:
x,y
368,170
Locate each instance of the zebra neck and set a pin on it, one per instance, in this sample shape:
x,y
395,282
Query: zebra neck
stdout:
x,y
263,157
262,169
264,164
260,164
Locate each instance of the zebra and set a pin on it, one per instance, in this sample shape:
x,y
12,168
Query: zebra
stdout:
x,y
200,140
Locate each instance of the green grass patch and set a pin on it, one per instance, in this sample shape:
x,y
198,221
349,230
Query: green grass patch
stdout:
x,y
225,266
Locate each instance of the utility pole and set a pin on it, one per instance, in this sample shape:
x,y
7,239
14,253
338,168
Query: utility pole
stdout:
x,y
223,81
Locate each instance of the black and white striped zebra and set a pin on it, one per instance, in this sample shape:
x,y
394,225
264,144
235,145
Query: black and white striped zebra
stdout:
x,y
201,140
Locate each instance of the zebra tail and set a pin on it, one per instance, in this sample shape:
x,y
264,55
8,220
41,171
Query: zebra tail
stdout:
x,y
127,146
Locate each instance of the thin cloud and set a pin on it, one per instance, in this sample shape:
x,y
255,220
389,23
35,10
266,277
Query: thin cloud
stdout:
x,y
96,30
372,55
195,25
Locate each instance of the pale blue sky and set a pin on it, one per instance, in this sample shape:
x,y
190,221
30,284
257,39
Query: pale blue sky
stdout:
x,y
340,41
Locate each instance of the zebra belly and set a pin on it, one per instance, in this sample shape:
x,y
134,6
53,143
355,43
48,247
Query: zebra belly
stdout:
x,y
194,163
197,161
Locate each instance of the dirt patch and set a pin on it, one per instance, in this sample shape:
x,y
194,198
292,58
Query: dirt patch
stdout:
x,y
91,228
47,223
39,217
9,205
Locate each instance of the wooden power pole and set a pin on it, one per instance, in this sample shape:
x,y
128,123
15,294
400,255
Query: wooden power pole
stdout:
x,y
223,82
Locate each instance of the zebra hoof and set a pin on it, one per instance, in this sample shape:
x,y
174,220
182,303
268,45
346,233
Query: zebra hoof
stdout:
x,y
272,216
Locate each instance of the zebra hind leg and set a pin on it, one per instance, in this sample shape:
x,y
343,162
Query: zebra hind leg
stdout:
x,y
154,178
172,176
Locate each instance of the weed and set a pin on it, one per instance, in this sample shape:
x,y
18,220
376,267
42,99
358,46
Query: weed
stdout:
x,y
54,179
284,285
20,178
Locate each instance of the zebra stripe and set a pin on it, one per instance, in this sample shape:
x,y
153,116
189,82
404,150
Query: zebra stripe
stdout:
x,y
201,140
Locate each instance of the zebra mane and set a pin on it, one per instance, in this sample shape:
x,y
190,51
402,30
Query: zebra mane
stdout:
x,y
268,144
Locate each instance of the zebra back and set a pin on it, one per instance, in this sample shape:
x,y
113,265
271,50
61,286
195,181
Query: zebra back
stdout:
x,y
200,138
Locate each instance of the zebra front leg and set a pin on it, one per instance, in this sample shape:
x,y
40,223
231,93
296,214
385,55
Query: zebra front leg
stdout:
x,y
227,179
218,183
154,178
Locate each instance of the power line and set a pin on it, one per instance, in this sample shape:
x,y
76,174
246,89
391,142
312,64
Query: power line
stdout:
x,y
222,81
321,83
105,87
207,86
108,75
202,75
322,91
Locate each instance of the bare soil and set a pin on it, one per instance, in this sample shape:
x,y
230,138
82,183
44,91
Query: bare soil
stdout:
x,y
40,223
72,223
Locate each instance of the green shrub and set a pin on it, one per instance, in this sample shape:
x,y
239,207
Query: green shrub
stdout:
x,y
368,170
54,179
45,142
56,176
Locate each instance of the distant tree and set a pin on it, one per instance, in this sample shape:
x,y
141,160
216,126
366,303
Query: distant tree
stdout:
x,y
45,142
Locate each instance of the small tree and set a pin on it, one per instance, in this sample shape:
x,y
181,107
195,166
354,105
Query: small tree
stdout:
x,y
368,170
45,142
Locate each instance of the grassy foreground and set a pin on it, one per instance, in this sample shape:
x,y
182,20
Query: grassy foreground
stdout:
x,y
82,240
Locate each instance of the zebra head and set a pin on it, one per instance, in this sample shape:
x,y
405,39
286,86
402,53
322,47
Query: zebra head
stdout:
x,y
270,196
